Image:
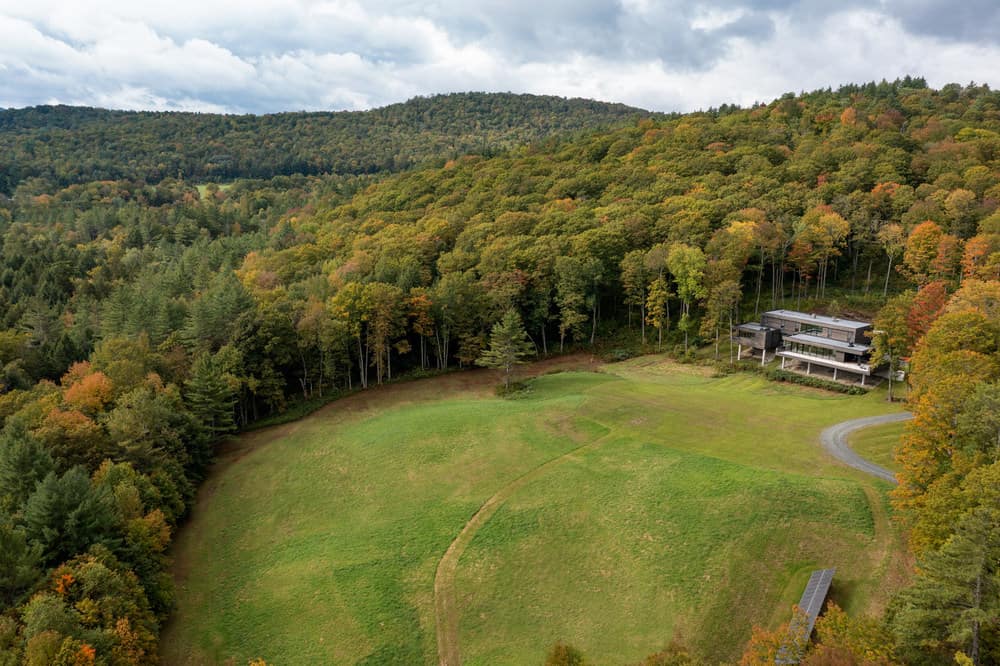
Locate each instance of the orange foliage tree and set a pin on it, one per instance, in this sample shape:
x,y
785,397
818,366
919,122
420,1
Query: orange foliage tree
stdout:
x,y
981,259
959,351
928,303
921,251
90,393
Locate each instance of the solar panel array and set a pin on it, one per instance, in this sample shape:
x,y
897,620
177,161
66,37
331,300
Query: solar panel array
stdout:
x,y
801,626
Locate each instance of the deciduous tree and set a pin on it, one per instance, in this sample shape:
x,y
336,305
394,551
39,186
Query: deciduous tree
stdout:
x,y
892,238
921,251
687,265
890,336
657,309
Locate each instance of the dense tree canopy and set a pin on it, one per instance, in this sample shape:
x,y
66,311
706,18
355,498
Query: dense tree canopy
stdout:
x,y
143,317
46,147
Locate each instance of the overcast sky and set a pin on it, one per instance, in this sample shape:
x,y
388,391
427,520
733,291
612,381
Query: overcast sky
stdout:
x,y
668,55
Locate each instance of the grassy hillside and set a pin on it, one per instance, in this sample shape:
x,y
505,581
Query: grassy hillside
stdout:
x,y
671,504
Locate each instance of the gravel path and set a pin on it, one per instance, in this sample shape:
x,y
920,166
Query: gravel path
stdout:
x,y
834,440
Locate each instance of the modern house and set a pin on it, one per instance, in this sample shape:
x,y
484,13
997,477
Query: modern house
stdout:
x,y
810,339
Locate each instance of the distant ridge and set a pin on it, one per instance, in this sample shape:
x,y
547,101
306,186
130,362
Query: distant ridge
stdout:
x,y
64,145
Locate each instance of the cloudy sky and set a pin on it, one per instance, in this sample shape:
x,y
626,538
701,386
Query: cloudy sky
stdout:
x,y
275,55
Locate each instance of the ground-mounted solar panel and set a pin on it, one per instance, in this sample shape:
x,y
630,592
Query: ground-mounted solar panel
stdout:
x,y
801,626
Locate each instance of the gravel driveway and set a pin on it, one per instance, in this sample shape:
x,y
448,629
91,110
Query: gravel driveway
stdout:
x,y
834,440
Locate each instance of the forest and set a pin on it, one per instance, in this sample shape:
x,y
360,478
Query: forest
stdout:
x,y
154,299
54,146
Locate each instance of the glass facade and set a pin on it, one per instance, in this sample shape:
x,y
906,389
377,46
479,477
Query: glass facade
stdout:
x,y
811,350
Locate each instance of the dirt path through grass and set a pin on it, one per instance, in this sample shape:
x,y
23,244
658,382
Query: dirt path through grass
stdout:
x,y
446,613
262,512
351,407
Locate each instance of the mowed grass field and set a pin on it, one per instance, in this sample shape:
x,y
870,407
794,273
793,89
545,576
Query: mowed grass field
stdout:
x,y
672,505
878,443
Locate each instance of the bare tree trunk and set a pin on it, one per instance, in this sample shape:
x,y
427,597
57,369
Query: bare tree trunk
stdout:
x,y
854,267
531,339
362,373
642,313
730,336
593,321
322,362
774,285
760,283
441,342
888,271
305,375
686,325
781,284
977,603
366,365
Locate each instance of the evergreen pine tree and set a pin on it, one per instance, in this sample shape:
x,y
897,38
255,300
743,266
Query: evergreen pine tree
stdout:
x,y
509,345
23,463
210,398
956,595
66,515
19,564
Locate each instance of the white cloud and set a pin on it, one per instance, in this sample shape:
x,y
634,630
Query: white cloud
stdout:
x,y
713,19
270,55
129,97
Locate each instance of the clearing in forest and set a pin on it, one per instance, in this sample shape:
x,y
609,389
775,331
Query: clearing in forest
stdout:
x,y
631,506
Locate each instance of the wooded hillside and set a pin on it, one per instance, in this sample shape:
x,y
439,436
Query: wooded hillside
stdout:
x,y
50,147
143,318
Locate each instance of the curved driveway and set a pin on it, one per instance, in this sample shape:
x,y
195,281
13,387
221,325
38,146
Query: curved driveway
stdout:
x,y
834,440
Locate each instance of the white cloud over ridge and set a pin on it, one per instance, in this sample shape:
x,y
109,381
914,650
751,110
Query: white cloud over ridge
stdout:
x,y
266,55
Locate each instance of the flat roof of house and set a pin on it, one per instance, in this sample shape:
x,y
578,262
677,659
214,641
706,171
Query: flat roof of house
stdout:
x,y
754,326
821,320
820,341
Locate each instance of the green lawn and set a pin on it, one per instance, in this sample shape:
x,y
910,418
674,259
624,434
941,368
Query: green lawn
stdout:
x,y
877,443
692,507
203,188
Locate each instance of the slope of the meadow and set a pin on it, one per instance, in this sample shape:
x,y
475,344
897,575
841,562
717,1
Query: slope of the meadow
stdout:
x,y
877,443
679,505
